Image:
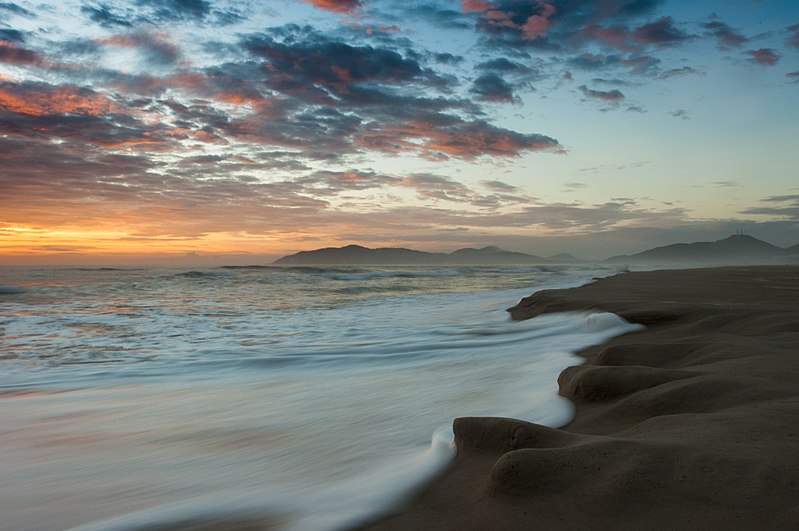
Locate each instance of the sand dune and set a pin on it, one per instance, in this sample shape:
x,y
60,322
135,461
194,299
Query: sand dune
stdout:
x,y
692,423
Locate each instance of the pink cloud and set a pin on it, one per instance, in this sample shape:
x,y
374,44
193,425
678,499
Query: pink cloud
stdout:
x,y
12,54
537,26
475,6
764,56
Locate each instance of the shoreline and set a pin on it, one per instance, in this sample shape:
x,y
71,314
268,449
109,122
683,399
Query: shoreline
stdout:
x,y
692,422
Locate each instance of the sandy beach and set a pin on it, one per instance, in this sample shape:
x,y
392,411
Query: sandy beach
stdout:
x,y
691,423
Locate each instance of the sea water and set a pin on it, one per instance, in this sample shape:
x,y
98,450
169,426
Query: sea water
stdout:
x,y
302,398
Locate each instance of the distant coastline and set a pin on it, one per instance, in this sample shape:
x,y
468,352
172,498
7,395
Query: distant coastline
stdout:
x,y
738,249
358,255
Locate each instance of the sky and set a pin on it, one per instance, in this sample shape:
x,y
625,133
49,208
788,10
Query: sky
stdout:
x,y
230,132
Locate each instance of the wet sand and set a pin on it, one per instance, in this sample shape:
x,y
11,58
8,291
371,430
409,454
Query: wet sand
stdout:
x,y
692,423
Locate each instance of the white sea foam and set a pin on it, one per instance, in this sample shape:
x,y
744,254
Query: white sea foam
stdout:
x,y
146,398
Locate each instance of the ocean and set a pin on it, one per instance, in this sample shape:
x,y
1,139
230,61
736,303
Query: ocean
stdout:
x,y
302,398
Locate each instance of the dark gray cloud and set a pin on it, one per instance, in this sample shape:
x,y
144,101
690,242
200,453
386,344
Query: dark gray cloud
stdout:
x,y
106,16
503,65
681,114
11,35
160,12
608,96
448,58
311,58
589,61
15,9
166,10
492,88
432,13
366,97
662,32
499,186
681,71
782,206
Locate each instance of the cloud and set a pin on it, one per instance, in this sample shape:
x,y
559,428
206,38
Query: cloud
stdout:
x,y
492,88
662,32
503,65
345,97
499,186
16,9
793,39
156,47
682,114
11,53
447,58
39,99
793,77
677,72
341,181
523,21
589,61
726,36
338,6
430,186
174,10
454,137
159,12
11,35
788,208
77,114
608,96
104,15
476,6
432,13
764,56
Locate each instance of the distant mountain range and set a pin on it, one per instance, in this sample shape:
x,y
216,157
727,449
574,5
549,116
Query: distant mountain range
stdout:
x,y
734,250
358,255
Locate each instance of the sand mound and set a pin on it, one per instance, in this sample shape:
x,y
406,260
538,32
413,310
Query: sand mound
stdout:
x,y
690,424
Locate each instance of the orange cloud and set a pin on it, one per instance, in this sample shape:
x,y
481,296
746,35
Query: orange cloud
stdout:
x,y
64,99
339,6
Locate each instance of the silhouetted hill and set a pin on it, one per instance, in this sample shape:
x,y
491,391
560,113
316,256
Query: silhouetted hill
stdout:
x,y
565,258
737,249
491,255
358,255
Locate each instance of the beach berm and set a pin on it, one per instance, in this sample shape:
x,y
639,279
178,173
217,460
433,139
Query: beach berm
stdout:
x,y
691,423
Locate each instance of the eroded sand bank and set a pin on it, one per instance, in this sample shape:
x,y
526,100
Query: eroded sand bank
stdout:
x,y
692,423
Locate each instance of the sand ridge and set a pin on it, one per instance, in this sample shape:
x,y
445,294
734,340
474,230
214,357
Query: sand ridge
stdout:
x,y
692,423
